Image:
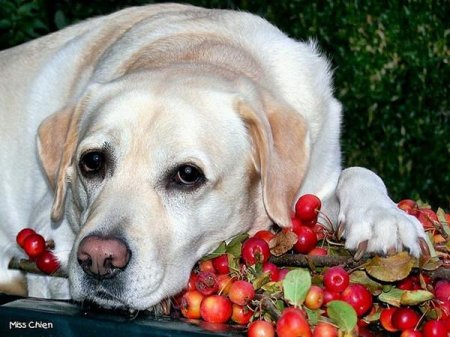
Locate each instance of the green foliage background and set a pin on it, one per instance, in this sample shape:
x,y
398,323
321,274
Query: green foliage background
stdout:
x,y
391,61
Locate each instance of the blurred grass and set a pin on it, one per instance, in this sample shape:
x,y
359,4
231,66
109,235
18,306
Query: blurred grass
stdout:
x,y
391,61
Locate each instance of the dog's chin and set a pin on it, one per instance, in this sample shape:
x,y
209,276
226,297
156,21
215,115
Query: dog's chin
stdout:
x,y
105,302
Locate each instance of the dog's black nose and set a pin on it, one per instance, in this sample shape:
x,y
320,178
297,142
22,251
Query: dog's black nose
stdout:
x,y
101,257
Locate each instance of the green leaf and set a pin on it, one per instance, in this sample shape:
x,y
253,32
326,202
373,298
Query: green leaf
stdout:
x,y
442,219
313,316
28,9
5,24
361,277
342,314
234,247
430,263
217,252
392,268
392,297
233,264
260,281
414,297
60,19
272,287
296,285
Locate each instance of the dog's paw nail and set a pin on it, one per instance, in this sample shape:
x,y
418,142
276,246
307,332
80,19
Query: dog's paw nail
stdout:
x,y
391,251
424,247
362,247
340,230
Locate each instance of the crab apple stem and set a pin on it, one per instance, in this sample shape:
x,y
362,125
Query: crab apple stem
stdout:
x,y
267,304
421,319
50,244
328,220
30,267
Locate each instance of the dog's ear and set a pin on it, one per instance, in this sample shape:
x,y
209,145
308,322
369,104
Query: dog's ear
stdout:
x,y
57,141
280,153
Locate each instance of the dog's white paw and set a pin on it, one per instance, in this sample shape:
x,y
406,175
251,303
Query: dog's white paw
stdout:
x,y
371,221
385,228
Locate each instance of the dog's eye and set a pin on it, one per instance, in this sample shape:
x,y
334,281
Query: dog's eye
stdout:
x,y
188,175
92,163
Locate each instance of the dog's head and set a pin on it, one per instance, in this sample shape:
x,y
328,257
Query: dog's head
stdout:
x,y
155,169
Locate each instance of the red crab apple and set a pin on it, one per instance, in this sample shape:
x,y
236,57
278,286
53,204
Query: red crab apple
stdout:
x,y
442,290
358,297
241,314
272,270
206,265
329,296
427,217
282,272
412,282
191,282
386,319
324,329
23,234
260,329
409,206
47,262
307,208
206,283
405,318
293,323
265,235
216,309
318,251
434,328
190,304
306,240
220,264
314,297
34,245
224,281
255,250
241,292
336,279
411,333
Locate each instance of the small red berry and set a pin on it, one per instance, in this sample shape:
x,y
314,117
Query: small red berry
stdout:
x,y
47,262
260,329
358,297
434,328
272,270
216,309
265,235
336,279
206,283
386,319
306,240
405,318
23,234
220,264
241,292
255,250
307,208
34,245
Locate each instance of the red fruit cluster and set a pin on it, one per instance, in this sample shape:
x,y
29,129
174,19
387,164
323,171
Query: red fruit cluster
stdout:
x,y
216,297
429,220
304,224
36,248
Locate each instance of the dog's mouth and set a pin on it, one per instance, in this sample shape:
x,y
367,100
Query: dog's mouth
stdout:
x,y
104,302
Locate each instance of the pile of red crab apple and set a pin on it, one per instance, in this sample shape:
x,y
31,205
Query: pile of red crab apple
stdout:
x,y
239,285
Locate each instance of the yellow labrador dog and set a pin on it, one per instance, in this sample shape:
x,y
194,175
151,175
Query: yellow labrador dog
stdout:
x,y
140,140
